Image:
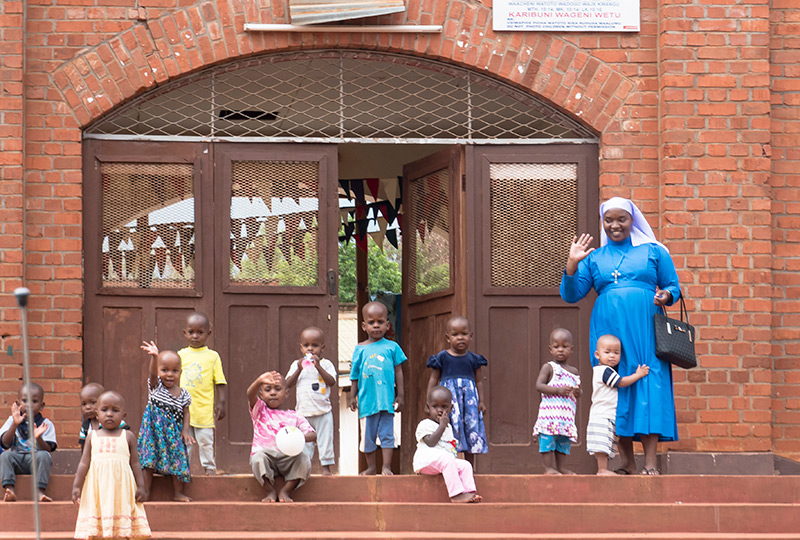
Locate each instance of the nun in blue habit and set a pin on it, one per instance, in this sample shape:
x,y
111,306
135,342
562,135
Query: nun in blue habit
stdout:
x,y
634,276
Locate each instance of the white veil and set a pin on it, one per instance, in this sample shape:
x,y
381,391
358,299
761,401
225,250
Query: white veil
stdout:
x,y
641,232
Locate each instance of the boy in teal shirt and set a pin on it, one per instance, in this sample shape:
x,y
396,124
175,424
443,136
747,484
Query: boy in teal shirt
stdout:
x,y
377,385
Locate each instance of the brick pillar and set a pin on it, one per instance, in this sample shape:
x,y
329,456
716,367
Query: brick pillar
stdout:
x,y
785,78
715,134
11,200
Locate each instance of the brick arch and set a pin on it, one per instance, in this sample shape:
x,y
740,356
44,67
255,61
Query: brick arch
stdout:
x,y
183,41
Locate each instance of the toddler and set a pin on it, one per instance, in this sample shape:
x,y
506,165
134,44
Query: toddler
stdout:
x,y
601,438
314,377
15,439
560,387
376,375
109,484
202,377
89,395
265,395
458,370
164,433
436,449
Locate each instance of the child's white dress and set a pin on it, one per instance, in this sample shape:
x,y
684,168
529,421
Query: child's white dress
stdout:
x,y
108,500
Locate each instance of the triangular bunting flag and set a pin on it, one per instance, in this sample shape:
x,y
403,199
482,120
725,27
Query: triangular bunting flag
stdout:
x,y
345,185
378,237
373,184
390,186
358,191
391,236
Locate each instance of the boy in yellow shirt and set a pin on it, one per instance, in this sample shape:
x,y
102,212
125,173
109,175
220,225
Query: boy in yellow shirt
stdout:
x,y
202,376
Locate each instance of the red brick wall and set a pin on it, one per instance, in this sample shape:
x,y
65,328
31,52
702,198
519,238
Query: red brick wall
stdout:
x,y
682,108
785,182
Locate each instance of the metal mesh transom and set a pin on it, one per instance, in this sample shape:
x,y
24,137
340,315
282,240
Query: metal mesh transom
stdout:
x,y
533,218
148,225
429,219
274,236
340,96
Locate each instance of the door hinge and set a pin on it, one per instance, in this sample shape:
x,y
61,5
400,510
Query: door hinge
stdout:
x,y
332,282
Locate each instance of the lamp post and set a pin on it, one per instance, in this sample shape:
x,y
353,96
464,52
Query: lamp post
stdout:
x,y
22,294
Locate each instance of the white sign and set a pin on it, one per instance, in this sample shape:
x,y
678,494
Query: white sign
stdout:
x,y
567,15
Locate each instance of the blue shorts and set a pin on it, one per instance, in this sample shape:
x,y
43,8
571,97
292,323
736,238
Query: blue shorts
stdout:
x,y
378,426
550,443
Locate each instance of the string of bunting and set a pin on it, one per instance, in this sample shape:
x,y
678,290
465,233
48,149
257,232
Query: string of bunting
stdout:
x,y
387,207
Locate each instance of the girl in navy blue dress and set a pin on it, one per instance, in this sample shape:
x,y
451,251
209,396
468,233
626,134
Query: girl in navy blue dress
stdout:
x,y
458,369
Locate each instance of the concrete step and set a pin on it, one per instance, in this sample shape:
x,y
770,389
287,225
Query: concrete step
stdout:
x,y
408,535
494,488
611,516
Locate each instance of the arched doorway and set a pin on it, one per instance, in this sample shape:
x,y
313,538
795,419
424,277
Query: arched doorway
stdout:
x,y
209,203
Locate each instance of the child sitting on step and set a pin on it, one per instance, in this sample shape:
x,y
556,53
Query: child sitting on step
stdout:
x,y
265,395
436,449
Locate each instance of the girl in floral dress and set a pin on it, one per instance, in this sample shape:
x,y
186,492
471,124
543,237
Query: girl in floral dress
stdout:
x,y
165,424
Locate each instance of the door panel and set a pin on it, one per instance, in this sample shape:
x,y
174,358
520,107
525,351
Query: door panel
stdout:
x,y
433,273
525,203
278,227
145,260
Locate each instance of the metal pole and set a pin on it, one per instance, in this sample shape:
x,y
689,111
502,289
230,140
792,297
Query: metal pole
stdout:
x,y
22,294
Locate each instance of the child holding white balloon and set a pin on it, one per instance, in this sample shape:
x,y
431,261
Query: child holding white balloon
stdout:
x,y
314,377
269,455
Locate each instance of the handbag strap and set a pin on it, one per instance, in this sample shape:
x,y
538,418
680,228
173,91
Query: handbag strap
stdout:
x,y
684,312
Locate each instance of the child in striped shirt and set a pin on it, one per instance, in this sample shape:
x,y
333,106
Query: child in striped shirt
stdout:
x,y
601,438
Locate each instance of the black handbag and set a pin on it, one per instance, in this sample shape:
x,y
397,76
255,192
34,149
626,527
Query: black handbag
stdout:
x,y
675,338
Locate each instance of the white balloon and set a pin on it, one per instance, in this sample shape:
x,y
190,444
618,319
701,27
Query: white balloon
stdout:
x,y
290,440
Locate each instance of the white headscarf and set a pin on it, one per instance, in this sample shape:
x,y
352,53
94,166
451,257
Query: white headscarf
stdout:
x,y
641,232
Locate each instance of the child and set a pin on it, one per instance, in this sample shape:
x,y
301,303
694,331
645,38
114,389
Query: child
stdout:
x,y
458,369
313,393
559,384
111,495
202,376
375,374
164,433
265,395
15,439
436,449
89,395
601,438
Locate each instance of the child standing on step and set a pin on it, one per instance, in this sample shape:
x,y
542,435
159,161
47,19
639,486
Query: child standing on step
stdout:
x,y
314,377
202,377
560,386
164,433
109,484
89,395
459,370
436,449
265,396
601,437
377,386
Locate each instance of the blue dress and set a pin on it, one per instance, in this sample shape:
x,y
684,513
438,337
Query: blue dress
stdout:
x,y
624,307
458,376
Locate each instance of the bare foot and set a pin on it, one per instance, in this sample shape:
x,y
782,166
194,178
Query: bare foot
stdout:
x,y
43,497
9,495
369,471
181,497
326,470
606,472
283,496
211,472
567,471
551,472
476,498
271,497
386,471
462,498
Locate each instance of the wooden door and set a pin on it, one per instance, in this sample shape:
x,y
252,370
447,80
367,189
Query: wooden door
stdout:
x,y
434,282
525,204
276,269
148,228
